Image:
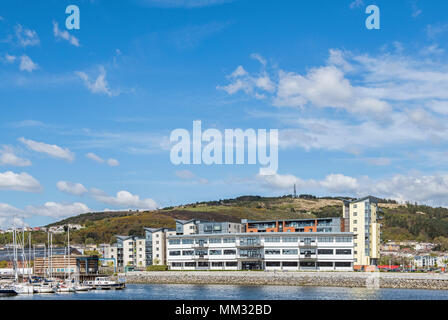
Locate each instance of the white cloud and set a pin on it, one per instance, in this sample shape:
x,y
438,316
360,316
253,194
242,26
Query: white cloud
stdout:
x,y
10,58
64,35
100,85
8,157
356,4
111,162
190,176
71,188
26,37
19,182
50,149
124,199
26,64
59,210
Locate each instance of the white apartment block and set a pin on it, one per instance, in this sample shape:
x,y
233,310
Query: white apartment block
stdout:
x,y
155,244
262,251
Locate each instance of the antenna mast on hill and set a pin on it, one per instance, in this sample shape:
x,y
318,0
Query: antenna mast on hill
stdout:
x,y
295,193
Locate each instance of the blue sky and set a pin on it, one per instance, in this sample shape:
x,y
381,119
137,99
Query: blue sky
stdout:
x,y
87,114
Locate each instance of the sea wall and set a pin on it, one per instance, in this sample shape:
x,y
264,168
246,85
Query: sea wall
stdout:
x,y
321,279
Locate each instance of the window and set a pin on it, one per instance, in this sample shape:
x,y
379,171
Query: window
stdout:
x,y
232,264
343,239
324,264
215,240
355,214
291,239
201,252
325,239
217,264
215,252
342,264
290,251
201,241
203,264
343,251
229,240
174,241
190,264
187,241
175,253
188,252
176,264
307,252
355,221
273,264
307,264
229,252
325,251
272,251
289,263
272,239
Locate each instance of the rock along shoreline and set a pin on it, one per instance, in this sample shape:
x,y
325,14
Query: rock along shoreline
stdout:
x,y
320,279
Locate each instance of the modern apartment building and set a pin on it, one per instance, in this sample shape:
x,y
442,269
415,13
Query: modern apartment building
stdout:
x,y
296,225
262,251
129,251
363,220
155,244
185,227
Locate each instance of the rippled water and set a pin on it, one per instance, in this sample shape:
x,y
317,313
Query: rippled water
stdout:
x,y
233,292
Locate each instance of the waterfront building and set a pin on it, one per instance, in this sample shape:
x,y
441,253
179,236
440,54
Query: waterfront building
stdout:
x,y
61,265
155,245
193,226
128,251
296,225
362,216
261,251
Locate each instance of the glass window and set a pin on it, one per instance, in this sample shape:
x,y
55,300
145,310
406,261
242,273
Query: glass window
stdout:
x,y
272,251
232,264
188,252
175,253
215,252
174,241
187,241
273,264
215,240
325,251
343,251
272,239
289,263
290,251
291,239
229,240
229,252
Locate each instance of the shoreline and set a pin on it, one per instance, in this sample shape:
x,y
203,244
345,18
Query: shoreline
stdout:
x,y
279,278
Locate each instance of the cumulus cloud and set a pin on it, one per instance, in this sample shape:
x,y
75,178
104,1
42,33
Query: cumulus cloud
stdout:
x,y
50,149
26,64
254,85
64,35
9,158
26,37
9,58
71,188
124,199
19,182
58,210
99,85
111,162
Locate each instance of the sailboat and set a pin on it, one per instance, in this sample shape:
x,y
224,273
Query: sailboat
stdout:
x,y
25,287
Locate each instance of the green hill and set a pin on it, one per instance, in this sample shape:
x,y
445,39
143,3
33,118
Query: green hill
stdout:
x,y
400,222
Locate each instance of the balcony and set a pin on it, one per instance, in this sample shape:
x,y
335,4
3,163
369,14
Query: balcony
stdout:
x,y
253,256
245,243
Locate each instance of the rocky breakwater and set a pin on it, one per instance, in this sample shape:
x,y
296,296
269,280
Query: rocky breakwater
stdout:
x,y
321,279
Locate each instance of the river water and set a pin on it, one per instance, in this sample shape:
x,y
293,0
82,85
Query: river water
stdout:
x,y
235,292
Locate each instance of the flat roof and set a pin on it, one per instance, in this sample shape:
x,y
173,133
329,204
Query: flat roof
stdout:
x,y
304,219
251,234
